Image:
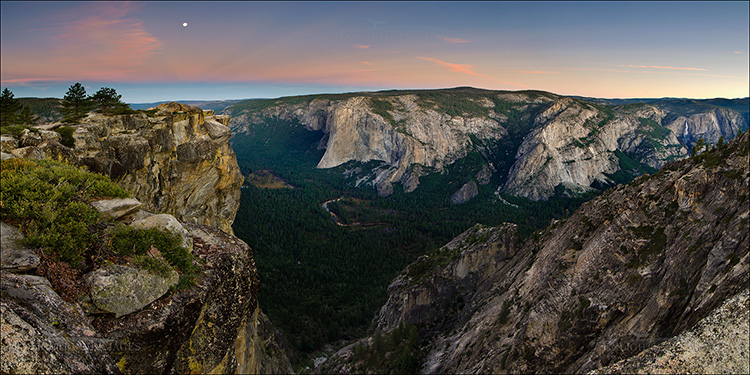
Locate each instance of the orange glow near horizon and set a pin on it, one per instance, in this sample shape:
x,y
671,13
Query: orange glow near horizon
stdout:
x,y
258,42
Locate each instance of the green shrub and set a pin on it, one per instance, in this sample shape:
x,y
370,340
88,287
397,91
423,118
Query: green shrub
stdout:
x,y
128,241
16,130
66,136
47,199
381,107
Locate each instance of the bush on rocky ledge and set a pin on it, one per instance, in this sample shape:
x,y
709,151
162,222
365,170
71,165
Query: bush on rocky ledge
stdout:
x,y
48,200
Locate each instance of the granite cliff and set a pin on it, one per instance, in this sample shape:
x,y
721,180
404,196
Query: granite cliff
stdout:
x,y
115,314
534,142
175,160
653,262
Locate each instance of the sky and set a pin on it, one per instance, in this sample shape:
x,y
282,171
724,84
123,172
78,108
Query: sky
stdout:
x,y
168,50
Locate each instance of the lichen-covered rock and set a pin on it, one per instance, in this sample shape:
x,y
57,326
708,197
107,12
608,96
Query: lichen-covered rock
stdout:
x,y
114,209
41,333
122,290
29,138
195,330
8,143
29,152
14,256
165,222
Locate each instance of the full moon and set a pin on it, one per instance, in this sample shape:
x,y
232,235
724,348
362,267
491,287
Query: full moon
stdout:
x,y
184,24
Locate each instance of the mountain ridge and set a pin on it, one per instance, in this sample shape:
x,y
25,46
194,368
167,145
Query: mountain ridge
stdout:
x,y
410,130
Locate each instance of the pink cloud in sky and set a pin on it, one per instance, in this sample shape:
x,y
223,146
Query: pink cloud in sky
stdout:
x,y
362,46
467,69
453,40
366,63
107,45
737,52
458,68
662,67
535,72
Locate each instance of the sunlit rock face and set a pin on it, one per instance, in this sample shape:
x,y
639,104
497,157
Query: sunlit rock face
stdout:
x,y
178,162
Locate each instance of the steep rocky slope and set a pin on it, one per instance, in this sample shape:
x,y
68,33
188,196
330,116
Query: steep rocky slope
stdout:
x,y
177,161
640,264
717,344
533,141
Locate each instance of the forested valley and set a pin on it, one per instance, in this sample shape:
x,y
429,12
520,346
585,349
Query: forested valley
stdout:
x,y
322,282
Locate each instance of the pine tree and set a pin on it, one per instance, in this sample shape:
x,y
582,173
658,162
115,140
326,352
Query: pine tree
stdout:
x,y
108,101
27,117
76,103
697,148
8,108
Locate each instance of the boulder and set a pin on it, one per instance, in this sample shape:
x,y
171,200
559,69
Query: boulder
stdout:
x,y
48,135
43,334
56,151
122,290
135,216
6,156
114,209
29,152
217,130
8,143
169,108
165,222
15,257
29,138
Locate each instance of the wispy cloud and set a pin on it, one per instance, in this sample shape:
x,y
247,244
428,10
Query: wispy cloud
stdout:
x,y
662,67
737,52
468,69
604,70
103,42
453,40
366,63
362,46
535,72
458,68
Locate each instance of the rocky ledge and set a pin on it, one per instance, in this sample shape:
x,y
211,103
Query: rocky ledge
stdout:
x,y
176,161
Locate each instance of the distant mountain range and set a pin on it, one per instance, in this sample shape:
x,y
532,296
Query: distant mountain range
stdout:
x,y
215,105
